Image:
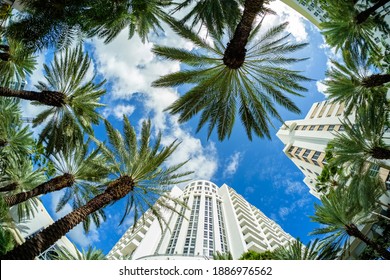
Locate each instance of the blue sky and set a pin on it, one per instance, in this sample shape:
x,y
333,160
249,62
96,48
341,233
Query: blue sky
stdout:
x,y
258,170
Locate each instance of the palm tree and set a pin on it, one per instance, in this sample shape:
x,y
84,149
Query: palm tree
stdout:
x,y
253,255
348,28
79,171
312,251
15,139
341,218
354,84
214,14
15,62
44,24
363,141
22,175
137,175
72,100
222,256
224,79
107,20
90,254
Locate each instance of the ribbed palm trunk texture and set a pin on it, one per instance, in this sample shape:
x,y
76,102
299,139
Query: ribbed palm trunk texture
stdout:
x,y
376,80
380,153
50,98
36,245
55,184
235,52
10,187
364,15
352,230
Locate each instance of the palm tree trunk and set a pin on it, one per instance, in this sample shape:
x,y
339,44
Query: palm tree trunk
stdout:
x,y
380,153
34,246
364,15
55,184
235,52
376,80
9,187
50,98
352,230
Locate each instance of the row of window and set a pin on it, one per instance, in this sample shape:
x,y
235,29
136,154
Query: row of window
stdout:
x,y
321,127
189,245
305,155
176,230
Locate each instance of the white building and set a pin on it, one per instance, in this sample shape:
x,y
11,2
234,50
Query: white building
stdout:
x,y
217,219
305,140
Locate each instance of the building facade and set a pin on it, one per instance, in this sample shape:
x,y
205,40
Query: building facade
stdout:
x,y
216,220
305,140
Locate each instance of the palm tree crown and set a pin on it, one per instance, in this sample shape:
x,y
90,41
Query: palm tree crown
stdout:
x,y
219,89
354,83
77,100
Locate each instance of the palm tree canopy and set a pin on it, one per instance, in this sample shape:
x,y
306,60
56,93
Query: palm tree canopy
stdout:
x,y
67,76
343,30
108,18
362,141
26,177
348,83
214,14
16,64
89,172
218,90
89,254
338,210
297,251
143,165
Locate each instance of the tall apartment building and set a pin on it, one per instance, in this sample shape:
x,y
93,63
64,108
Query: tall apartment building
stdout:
x,y
305,140
217,219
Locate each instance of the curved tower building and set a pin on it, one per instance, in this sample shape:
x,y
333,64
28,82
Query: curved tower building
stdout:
x,y
216,219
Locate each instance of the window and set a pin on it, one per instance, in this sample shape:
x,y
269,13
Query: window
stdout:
x,y
316,155
388,182
374,170
304,127
320,128
291,149
301,168
309,171
311,127
316,174
331,127
316,163
298,151
298,127
341,128
306,153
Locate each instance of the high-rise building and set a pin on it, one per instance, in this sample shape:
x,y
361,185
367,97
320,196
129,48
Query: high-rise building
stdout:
x,y
216,219
305,140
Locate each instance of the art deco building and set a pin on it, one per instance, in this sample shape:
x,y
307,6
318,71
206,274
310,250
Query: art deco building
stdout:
x,y
217,219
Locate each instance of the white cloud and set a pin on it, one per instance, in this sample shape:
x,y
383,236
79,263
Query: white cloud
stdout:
x,y
118,111
294,187
232,164
296,21
321,87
